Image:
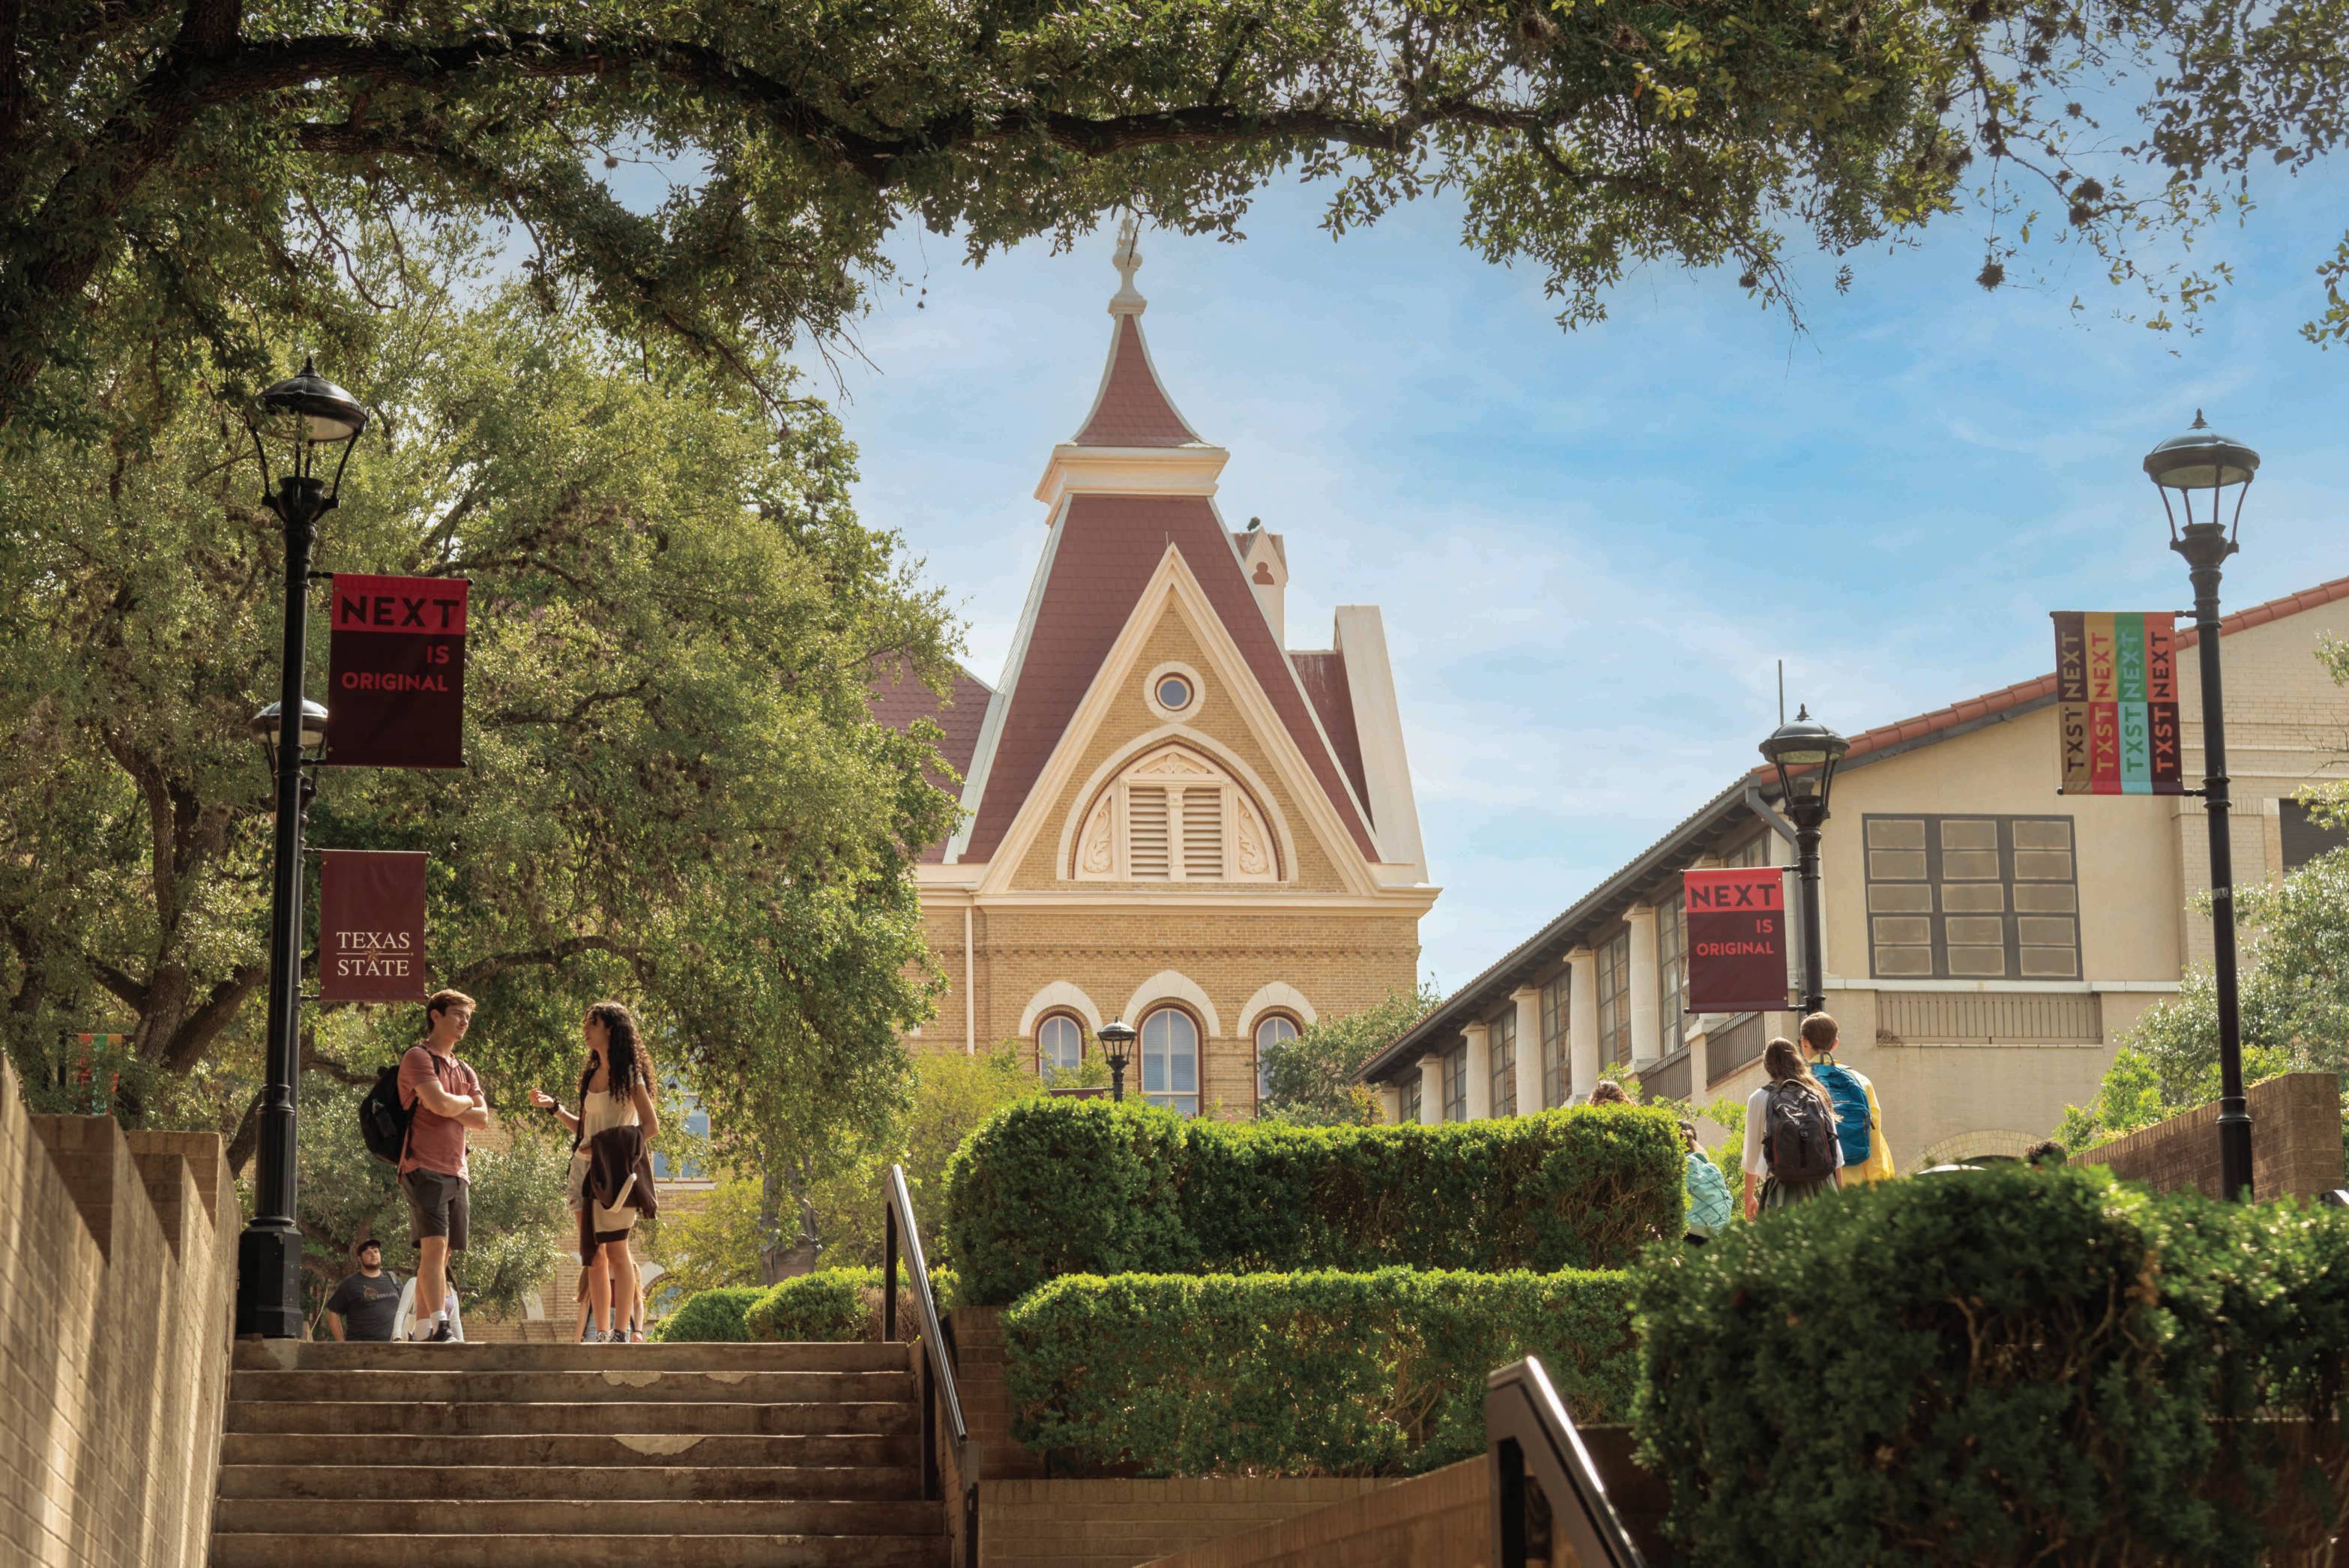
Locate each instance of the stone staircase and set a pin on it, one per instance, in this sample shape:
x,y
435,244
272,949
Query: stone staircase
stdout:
x,y
516,1455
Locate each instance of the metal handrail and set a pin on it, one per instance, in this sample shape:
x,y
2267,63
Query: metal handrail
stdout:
x,y
1530,1437
937,1353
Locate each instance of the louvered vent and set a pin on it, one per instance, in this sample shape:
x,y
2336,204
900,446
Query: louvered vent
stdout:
x,y
1202,834
1149,851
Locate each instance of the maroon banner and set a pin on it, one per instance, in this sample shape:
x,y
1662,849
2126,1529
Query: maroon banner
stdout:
x,y
396,681
371,925
1736,939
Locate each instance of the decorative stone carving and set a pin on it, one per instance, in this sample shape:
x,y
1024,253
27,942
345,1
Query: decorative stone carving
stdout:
x,y
1254,849
1096,854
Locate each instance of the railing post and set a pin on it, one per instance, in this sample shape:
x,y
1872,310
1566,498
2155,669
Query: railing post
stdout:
x,y
929,1429
888,1269
1508,1502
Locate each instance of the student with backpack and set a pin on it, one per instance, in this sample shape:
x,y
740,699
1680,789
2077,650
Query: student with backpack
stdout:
x,y
442,1098
1792,1154
1859,1120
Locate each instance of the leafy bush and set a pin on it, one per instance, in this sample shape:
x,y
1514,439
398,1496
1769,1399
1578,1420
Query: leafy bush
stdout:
x,y
1301,1374
839,1305
710,1316
2006,1367
1048,1188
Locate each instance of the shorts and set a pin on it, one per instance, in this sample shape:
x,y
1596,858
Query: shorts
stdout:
x,y
438,1206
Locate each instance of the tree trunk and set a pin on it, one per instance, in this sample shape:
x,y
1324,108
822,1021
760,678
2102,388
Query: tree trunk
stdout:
x,y
783,1257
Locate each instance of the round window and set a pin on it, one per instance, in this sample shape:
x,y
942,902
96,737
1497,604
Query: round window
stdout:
x,y
1173,693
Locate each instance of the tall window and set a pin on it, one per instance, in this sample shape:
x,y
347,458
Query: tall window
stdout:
x,y
1175,815
1615,999
1408,1111
1504,1039
1671,971
2305,837
1754,852
1456,1084
1555,1067
1059,1046
1170,1060
668,1168
1274,1028
1973,898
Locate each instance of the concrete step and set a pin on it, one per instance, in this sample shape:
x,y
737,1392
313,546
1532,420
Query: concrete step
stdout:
x,y
567,1517
366,1418
671,1449
639,1482
326,1356
612,1385
585,1549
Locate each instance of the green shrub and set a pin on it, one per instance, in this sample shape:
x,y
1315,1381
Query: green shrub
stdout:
x,y
1048,1188
1999,1366
839,1304
1303,1373
709,1316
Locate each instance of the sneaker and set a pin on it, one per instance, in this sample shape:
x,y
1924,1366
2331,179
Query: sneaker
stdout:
x,y
444,1333
618,1337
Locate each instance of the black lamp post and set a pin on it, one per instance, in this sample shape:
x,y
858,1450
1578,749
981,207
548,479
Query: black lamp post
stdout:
x,y
1117,1039
2203,459
313,417
1805,753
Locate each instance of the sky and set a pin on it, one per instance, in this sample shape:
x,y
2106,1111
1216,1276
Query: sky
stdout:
x,y
1590,548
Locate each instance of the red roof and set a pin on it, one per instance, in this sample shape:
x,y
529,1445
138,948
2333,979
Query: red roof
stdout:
x,y
1132,409
899,698
1322,674
1108,550
2024,693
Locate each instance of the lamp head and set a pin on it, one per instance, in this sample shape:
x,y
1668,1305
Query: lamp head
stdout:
x,y
1804,753
2201,459
268,727
1117,1038
309,409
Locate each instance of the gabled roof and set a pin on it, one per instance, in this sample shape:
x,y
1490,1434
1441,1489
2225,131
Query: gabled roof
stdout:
x,y
1322,674
899,698
1132,409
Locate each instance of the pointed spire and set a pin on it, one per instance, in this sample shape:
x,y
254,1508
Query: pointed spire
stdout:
x,y
1132,409
1128,300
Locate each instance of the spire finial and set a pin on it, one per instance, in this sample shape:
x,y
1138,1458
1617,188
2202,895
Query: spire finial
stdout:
x,y
2198,425
1127,301
1802,713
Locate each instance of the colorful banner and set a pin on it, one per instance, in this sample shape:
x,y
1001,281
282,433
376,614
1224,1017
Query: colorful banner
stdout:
x,y
1736,939
395,680
371,925
86,1055
2117,703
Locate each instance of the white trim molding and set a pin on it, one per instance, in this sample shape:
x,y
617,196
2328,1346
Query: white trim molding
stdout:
x,y
1058,997
1173,986
1278,996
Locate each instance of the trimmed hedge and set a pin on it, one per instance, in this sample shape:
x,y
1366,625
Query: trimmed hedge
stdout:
x,y
709,1316
839,1305
1999,1366
1046,1188
1304,1374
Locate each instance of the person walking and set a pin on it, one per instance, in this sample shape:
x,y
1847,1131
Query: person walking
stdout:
x,y
1708,1191
446,1100
610,1185
1859,1120
364,1305
1607,1091
1792,1154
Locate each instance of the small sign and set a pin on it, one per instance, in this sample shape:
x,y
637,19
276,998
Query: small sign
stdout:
x,y
371,925
2117,703
396,672
1736,939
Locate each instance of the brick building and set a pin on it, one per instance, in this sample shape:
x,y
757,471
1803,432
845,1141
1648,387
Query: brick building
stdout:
x,y
1987,941
1169,816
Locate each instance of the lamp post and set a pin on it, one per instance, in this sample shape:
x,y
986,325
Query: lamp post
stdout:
x,y
1805,753
1117,1039
2203,459
311,415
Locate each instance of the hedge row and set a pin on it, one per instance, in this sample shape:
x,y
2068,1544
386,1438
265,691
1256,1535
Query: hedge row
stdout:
x,y
709,1316
2001,1367
1303,1373
841,1304
1048,1188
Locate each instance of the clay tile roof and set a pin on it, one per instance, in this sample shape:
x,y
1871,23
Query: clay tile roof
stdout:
x,y
1322,674
899,698
1132,409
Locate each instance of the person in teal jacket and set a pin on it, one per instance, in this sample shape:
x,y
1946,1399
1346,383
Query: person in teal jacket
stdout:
x,y
1709,1207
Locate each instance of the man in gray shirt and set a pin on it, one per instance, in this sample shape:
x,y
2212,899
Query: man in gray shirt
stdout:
x,y
366,1303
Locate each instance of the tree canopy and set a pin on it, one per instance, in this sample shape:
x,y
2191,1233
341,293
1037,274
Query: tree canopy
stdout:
x,y
204,165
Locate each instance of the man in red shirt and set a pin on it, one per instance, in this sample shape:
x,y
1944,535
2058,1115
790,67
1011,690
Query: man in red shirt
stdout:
x,y
445,1098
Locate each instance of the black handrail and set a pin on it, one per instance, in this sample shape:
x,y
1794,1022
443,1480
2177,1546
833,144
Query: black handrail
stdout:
x,y
937,1354
1531,1438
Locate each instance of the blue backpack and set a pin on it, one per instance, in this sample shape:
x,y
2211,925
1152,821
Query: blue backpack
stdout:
x,y
1850,1098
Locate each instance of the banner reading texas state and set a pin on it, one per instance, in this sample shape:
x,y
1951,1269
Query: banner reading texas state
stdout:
x,y
371,925
395,674
2117,703
1736,939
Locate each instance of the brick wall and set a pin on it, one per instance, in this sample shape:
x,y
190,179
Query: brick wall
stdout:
x,y
1441,1520
2295,1143
1118,1524
117,1268
986,1403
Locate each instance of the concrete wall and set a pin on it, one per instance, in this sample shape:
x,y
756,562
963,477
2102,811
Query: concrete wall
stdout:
x,y
1441,1520
1118,1524
2295,1143
117,1268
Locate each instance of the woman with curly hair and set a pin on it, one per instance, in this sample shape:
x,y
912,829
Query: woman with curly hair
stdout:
x,y
610,1185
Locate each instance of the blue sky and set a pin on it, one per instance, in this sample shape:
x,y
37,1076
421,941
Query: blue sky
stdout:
x,y
1591,547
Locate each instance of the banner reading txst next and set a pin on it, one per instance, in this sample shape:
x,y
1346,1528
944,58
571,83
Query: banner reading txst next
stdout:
x,y
1736,939
371,925
2116,697
395,674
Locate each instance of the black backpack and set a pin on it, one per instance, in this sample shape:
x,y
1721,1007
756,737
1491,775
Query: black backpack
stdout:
x,y
1798,1140
383,1120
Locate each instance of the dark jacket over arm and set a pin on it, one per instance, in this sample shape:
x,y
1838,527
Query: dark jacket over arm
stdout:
x,y
612,1156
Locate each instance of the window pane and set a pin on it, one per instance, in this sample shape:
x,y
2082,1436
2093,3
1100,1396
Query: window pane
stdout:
x,y
1409,1111
1170,1059
1059,1046
1456,1084
1972,897
1270,1032
1671,972
1553,1042
1503,1045
1614,1003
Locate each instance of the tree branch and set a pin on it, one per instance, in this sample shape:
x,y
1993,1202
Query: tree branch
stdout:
x,y
211,1016
485,969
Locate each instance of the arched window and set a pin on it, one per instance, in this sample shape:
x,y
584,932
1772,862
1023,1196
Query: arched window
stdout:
x,y
1170,1060
1060,1045
1175,815
1274,1028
